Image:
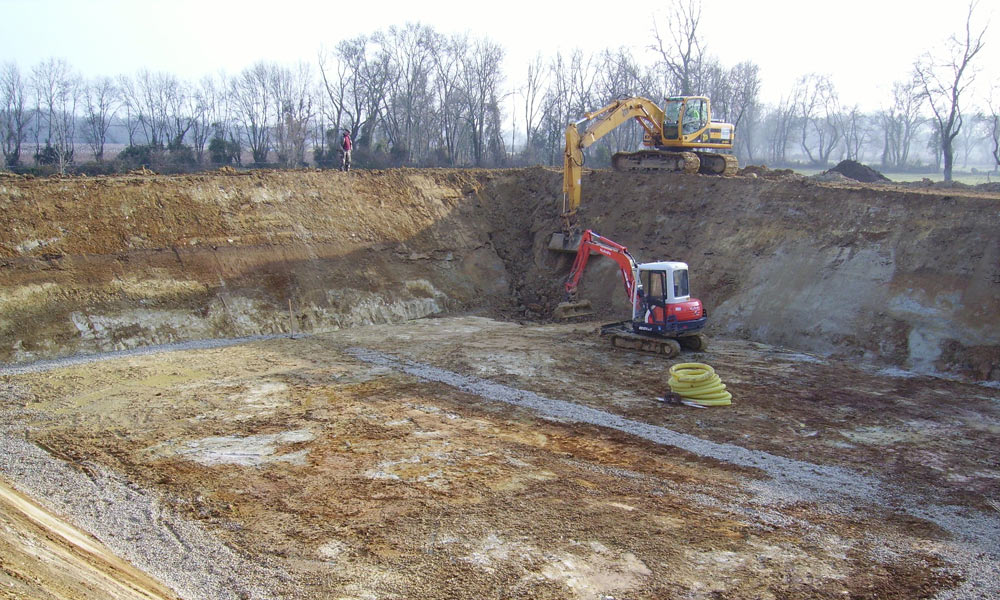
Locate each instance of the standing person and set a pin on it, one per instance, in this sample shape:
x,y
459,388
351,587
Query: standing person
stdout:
x,y
345,145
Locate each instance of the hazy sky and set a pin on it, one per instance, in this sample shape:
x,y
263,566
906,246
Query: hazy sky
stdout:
x,y
863,45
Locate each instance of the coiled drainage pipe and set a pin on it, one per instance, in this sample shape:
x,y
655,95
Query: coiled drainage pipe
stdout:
x,y
698,383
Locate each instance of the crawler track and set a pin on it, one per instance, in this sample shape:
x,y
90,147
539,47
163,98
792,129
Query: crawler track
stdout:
x,y
622,336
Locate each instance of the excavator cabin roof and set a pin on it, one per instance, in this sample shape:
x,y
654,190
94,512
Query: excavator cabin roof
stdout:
x,y
663,265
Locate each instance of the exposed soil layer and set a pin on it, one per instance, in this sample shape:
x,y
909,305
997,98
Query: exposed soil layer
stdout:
x,y
889,274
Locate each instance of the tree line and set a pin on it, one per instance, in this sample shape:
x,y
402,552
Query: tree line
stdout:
x,y
412,96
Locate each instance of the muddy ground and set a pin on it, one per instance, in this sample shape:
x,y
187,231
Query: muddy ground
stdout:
x,y
403,420
437,459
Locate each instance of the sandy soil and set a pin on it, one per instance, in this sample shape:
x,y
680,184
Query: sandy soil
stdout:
x,y
471,458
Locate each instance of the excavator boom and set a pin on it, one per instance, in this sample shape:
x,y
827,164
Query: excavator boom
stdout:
x,y
602,122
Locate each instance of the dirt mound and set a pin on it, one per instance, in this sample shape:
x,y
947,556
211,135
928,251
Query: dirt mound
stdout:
x,y
858,172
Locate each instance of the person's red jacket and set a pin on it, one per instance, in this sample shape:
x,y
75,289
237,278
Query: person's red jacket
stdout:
x,y
346,145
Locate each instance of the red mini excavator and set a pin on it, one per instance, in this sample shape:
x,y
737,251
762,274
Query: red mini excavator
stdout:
x,y
665,318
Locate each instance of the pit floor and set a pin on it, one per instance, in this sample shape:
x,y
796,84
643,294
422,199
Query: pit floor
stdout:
x,y
470,458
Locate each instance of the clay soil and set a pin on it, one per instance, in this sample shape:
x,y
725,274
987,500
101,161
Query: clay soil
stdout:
x,y
359,480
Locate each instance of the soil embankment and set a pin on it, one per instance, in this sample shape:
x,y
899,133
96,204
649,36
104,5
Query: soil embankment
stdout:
x,y
899,276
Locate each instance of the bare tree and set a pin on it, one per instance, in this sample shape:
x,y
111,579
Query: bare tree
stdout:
x,y
292,90
356,87
405,106
559,103
780,122
179,108
974,133
448,92
252,108
130,103
209,115
680,49
618,76
482,77
993,121
900,123
100,105
337,80
816,107
57,91
945,78
583,78
856,131
531,93
13,118
744,104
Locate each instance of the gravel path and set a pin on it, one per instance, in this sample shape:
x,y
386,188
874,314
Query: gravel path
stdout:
x,y
975,548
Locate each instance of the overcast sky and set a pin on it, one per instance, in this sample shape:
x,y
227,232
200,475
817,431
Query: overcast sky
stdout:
x,y
864,45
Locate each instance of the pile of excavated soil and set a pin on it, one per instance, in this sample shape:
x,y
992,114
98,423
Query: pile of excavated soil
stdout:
x,y
902,277
858,172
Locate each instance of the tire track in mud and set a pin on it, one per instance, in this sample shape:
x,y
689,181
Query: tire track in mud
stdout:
x,y
975,549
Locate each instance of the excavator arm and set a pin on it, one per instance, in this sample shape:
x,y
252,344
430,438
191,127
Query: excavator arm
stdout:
x,y
601,122
602,245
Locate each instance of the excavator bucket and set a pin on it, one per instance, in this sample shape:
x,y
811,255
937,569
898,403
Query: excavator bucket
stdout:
x,y
563,242
568,310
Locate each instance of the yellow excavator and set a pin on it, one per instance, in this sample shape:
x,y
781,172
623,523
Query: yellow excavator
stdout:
x,y
681,137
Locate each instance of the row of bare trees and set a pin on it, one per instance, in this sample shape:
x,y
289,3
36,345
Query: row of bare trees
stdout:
x,y
412,96
812,125
417,95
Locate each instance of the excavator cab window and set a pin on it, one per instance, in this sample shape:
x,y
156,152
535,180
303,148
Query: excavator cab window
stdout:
x,y
671,115
695,115
680,277
653,285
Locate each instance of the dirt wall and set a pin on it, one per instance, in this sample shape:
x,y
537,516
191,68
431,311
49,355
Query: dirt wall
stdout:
x,y
887,274
112,263
896,276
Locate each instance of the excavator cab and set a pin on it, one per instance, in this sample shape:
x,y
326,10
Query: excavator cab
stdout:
x,y
684,116
664,304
